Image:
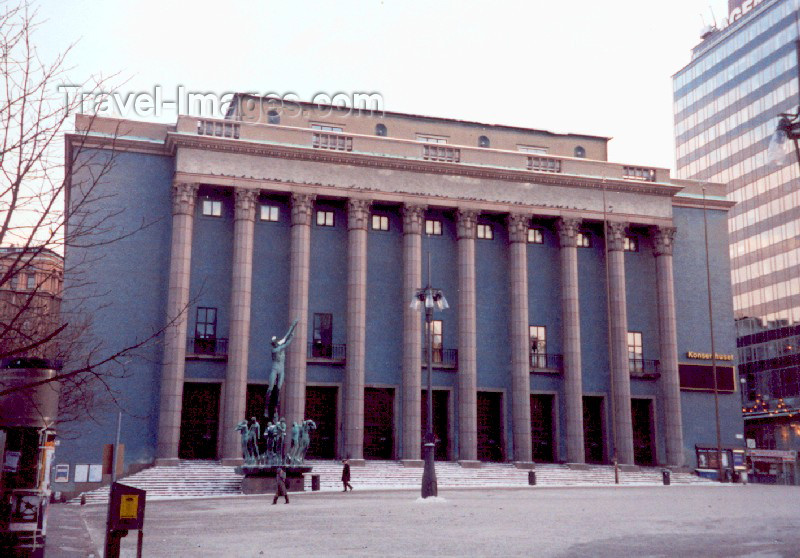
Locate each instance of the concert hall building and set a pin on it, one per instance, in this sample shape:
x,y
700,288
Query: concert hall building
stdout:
x,y
561,343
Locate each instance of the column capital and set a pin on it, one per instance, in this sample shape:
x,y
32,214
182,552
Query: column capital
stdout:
x,y
302,204
467,221
184,196
413,218
616,236
518,225
663,238
245,204
358,213
568,232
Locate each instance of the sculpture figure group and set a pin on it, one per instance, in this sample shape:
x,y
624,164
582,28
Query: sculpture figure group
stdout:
x,y
269,448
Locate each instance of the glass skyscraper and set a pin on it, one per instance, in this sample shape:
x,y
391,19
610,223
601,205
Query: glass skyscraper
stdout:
x,y
726,105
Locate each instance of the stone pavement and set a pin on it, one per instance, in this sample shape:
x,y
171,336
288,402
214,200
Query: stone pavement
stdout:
x,y
709,521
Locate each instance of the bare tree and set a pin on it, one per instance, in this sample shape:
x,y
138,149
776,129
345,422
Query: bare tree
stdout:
x,y
51,202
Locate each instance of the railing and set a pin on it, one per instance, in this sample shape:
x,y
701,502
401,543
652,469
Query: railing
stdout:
x,y
547,362
433,152
210,348
408,149
639,173
643,368
543,164
218,129
337,142
441,358
321,351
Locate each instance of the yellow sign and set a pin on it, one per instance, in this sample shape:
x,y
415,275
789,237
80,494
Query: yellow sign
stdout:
x,y
129,506
707,356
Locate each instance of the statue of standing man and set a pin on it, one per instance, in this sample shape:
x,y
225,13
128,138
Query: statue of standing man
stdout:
x,y
277,372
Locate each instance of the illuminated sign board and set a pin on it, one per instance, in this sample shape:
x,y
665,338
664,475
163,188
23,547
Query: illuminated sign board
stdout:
x,y
707,356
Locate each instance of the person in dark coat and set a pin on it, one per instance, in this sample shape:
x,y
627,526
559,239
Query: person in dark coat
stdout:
x,y
346,476
280,486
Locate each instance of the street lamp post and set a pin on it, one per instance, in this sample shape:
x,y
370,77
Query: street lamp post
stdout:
x,y
430,298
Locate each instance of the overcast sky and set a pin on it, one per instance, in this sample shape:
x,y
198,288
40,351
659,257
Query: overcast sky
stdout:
x,y
579,66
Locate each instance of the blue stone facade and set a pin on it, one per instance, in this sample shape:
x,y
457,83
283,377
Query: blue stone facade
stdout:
x,y
136,272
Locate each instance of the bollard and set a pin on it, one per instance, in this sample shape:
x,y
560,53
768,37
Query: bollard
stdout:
x,y
314,482
665,476
532,478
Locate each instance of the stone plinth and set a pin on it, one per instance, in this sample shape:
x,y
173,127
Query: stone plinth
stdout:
x,y
260,479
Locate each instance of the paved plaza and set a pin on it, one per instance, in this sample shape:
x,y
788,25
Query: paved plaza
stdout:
x,y
718,520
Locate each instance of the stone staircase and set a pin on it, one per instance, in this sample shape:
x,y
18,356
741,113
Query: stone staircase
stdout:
x,y
393,475
195,479
190,479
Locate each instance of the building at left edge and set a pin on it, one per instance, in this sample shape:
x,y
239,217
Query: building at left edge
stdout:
x,y
30,300
327,215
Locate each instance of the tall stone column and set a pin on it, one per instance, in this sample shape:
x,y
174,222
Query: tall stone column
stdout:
x,y
467,339
184,197
668,346
357,219
571,323
239,342
620,370
294,396
413,218
520,337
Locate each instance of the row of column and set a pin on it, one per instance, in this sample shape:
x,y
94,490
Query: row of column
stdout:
x,y
184,196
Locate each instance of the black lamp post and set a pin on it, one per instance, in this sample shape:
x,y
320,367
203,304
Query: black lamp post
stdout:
x,y
430,298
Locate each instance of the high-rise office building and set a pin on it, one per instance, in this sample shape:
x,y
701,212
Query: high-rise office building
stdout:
x,y
726,101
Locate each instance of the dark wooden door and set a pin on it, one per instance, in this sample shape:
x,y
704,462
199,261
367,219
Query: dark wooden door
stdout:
x,y
593,429
641,416
440,421
490,426
321,408
199,421
378,423
542,427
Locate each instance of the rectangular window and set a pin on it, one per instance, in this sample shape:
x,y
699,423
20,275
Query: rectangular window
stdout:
x,y
212,208
431,139
635,363
532,149
584,240
380,223
433,227
31,284
538,339
269,213
436,342
325,218
205,331
485,231
322,336
631,244
326,128
535,236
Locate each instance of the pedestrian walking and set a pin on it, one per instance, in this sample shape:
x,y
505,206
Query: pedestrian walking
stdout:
x,y
346,476
280,486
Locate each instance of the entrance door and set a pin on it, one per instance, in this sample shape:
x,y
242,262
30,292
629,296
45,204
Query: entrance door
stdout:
x,y
440,423
199,421
378,423
641,414
321,408
542,427
593,429
490,426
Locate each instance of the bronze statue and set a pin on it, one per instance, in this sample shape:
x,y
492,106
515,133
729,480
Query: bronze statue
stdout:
x,y
277,372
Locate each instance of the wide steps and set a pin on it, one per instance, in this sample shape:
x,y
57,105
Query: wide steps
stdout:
x,y
192,479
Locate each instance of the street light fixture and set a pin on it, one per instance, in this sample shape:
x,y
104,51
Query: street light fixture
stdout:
x,y
430,298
